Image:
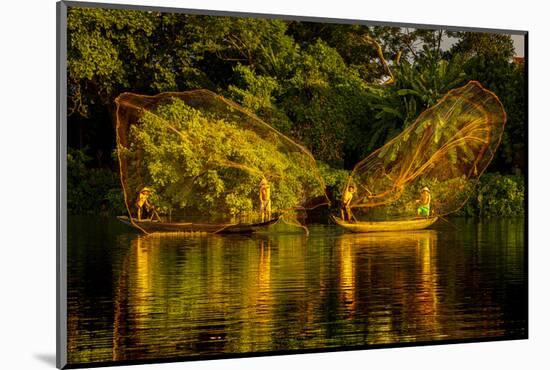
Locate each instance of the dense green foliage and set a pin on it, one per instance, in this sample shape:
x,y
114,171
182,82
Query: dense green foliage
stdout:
x,y
321,84
92,190
335,179
209,165
496,195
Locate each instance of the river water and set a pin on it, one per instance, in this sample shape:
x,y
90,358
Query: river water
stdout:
x,y
133,297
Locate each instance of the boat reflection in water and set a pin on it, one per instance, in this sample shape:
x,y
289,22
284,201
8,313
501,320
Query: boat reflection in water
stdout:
x,y
390,280
181,297
184,297
149,297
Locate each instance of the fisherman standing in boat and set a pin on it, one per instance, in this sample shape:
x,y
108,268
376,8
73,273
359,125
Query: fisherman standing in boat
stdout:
x,y
265,200
145,209
346,204
424,202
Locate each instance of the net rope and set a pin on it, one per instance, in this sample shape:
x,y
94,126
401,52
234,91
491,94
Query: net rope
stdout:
x,y
204,159
449,145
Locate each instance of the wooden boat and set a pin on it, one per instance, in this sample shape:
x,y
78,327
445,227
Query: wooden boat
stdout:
x,y
378,226
150,227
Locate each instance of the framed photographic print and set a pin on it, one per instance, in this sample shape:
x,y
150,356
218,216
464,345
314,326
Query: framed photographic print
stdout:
x,y
234,184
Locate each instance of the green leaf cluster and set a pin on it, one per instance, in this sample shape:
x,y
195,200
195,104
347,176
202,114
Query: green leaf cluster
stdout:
x,y
207,166
92,190
496,195
318,83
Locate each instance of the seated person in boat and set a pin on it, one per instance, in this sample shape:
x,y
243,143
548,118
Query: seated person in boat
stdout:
x,y
265,200
345,210
144,208
424,202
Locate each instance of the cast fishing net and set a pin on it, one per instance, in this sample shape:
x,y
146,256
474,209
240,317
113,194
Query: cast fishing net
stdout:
x,y
204,158
448,146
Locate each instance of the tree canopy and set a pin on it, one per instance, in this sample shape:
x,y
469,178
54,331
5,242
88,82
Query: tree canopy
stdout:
x,y
206,156
323,84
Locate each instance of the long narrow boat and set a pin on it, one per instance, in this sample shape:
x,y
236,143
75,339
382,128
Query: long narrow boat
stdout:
x,y
378,226
151,227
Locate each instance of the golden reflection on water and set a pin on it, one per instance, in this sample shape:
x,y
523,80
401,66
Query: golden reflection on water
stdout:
x,y
257,297
347,274
419,306
178,296
204,289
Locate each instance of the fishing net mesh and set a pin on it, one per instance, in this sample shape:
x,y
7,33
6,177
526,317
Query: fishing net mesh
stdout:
x,y
448,146
203,158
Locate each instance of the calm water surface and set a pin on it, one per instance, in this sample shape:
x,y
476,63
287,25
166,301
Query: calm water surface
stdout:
x,y
132,297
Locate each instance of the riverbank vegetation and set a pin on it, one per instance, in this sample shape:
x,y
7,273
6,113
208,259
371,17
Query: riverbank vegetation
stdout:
x,y
325,85
97,190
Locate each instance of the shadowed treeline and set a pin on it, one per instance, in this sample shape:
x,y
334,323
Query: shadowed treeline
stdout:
x,y
324,85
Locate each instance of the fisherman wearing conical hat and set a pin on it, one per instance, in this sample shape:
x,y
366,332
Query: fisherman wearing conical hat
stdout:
x,y
424,202
345,210
265,200
144,207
